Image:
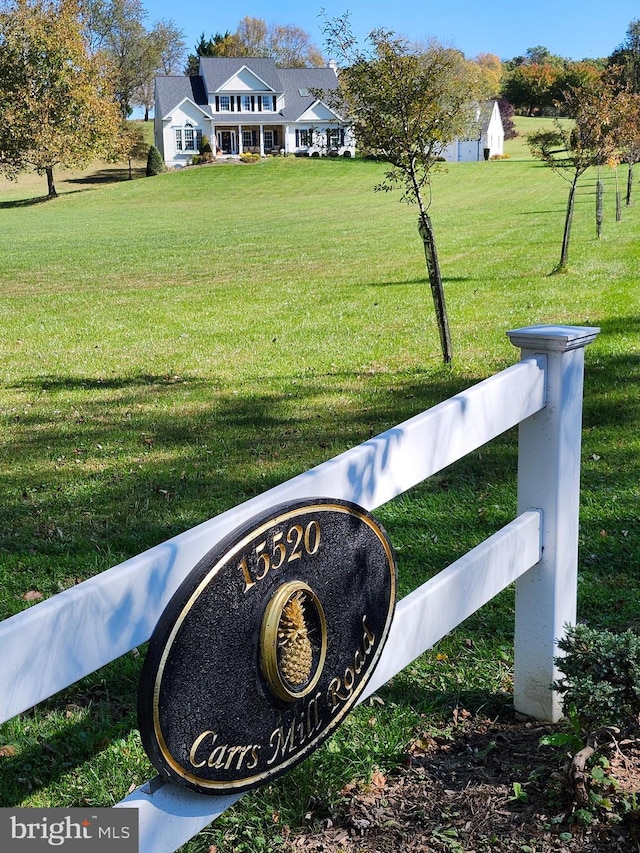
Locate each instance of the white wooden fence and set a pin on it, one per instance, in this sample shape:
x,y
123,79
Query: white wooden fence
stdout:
x,y
58,641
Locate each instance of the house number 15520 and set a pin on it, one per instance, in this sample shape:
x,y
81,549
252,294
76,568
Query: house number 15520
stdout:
x,y
280,549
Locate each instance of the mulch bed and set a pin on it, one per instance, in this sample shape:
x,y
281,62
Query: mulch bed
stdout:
x,y
489,787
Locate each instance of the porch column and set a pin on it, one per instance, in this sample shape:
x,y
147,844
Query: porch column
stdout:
x,y
239,139
549,480
262,140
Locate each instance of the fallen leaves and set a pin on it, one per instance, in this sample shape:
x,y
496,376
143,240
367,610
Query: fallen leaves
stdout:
x,y
33,595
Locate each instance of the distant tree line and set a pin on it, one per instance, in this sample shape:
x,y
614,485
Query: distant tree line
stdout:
x,y
289,46
536,83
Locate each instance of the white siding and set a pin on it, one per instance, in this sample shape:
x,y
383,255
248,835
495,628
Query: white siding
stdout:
x,y
186,113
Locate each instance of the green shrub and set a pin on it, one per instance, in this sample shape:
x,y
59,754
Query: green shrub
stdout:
x,y
601,676
155,163
205,146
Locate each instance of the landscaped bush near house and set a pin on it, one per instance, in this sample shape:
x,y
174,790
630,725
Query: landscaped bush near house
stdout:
x,y
205,152
155,163
248,157
601,676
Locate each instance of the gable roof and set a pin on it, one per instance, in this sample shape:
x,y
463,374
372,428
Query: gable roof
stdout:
x,y
486,113
171,91
299,86
216,71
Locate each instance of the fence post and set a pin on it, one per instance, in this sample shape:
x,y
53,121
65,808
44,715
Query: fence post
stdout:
x,y
549,480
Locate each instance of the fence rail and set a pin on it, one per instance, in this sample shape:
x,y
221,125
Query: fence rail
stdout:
x,y
59,641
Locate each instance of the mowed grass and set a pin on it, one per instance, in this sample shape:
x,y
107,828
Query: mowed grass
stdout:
x,y
175,345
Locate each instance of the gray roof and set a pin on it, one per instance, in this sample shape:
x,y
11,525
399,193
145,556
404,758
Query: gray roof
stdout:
x,y
486,111
171,91
297,85
297,81
215,71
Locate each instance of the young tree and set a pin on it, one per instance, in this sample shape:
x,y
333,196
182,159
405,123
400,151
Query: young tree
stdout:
x,y
406,104
629,134
133,145
56,101
571,149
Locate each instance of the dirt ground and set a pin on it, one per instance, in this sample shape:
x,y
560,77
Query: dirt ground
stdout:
x,y
492,787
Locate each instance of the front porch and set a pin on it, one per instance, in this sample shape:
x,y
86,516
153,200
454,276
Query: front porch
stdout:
x,y
234,140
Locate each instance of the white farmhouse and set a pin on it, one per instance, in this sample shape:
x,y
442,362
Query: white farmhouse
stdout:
x,y
246,104
485,140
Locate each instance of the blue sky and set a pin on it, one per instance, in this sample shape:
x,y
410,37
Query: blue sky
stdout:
x,y
574,29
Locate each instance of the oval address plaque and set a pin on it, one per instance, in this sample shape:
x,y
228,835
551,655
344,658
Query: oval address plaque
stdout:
x,y
266,645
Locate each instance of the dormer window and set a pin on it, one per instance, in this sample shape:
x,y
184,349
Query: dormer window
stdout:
x,y
267,103
225,103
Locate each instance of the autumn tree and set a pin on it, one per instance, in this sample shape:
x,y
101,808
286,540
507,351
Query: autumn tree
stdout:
x,y
491,71
530,88
572,148
55,99
220,44
132,144
117,28
628,134
288,45
406,103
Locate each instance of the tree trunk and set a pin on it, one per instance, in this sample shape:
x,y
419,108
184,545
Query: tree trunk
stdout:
x,y
599,192
435,280
50,184
629,183
564,255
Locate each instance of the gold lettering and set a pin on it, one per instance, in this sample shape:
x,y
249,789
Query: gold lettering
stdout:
x,y
313,709
302,727
233,751
196,744
368,638
341,687
223,755
295,533
254,757
349,679
270,555
248,580
216,758
334,696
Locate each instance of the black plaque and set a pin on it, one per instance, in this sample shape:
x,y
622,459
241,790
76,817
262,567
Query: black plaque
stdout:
x,y
266,645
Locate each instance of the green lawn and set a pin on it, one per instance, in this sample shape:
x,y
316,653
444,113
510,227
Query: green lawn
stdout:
x,y
172,346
